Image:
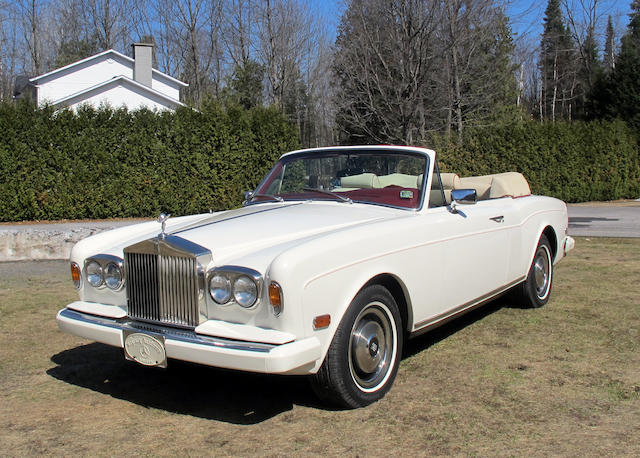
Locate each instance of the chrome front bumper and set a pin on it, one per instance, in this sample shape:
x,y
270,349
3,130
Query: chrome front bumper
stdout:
x,y
297,357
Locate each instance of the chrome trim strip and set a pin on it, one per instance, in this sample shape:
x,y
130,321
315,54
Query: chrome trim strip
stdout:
x,y
376,149
170,245
181,335
443,318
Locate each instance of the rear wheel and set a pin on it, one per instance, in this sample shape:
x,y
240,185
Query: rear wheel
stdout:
x,y
536,289
364,355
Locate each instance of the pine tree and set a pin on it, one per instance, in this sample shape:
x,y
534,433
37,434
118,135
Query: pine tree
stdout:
x,y
246,84
556,64
589,73
609,61
624,89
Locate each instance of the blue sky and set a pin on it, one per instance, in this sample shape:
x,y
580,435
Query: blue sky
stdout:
x,y
526,15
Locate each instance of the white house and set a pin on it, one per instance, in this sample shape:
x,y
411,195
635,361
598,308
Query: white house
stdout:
x,y
112,78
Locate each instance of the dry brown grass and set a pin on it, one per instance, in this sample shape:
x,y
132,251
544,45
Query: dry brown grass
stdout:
x,y
560,380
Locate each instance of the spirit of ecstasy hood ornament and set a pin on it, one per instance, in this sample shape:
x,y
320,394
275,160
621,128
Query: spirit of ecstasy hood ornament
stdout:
x,y
162,219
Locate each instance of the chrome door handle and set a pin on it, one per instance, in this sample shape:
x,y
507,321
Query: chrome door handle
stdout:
x,y
498,219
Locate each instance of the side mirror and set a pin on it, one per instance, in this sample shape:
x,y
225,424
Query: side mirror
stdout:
x,y
464,196
247,197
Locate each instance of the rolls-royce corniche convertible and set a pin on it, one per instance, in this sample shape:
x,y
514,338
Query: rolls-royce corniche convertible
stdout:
x,y
335,259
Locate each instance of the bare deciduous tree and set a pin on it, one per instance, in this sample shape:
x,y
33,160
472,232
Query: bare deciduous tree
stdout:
x,y
383,53
109,21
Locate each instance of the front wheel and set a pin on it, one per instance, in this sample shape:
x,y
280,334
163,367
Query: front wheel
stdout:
x,y
364,355
536,289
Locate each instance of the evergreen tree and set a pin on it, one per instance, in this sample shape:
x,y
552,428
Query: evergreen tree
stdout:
x,y
246,84
71,51
556,65
619,94
490,90
589,73
625,84
609,61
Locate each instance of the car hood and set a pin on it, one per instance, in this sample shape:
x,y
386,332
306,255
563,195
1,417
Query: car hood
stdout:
x,y
235,233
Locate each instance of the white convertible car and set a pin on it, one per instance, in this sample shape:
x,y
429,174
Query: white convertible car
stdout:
x,y
336,258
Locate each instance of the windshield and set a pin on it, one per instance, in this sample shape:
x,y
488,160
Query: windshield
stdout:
x,y
378,177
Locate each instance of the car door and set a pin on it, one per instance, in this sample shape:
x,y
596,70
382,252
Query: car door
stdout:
x,y
472,248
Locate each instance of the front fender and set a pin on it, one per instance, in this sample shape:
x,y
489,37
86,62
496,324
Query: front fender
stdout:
x,y
333,293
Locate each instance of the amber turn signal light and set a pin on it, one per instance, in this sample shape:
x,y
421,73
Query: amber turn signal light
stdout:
x,y
75,274
321,322
275,297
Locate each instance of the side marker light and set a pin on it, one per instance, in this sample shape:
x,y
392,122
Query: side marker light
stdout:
x,y
321,322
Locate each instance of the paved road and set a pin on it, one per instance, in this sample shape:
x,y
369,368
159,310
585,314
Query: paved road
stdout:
x,y
604,221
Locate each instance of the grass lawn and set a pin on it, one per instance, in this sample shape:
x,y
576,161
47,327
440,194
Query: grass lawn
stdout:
x,y
560,380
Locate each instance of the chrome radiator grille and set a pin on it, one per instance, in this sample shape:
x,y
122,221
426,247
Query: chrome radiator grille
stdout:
x,y
162,289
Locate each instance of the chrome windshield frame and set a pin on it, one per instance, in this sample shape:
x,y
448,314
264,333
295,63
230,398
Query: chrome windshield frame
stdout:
x,y
338,151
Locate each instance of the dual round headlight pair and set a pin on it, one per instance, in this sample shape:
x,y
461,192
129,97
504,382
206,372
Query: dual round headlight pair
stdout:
x,y
109,275
242,288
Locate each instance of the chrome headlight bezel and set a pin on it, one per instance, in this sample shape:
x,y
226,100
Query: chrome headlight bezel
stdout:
x,y
232,274
94,273
107,275
245,291
223,285
104,261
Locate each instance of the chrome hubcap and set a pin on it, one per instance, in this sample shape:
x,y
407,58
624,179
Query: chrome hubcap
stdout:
x,y
541,271
371,346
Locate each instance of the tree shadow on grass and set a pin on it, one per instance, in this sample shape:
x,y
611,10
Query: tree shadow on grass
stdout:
x,y
183,388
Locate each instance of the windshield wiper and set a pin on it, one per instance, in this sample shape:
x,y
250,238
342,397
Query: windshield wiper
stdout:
x,y
269,196
329,193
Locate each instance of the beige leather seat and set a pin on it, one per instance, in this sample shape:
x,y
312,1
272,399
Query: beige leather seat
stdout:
x,y
400,179
449,182
512,184
362,181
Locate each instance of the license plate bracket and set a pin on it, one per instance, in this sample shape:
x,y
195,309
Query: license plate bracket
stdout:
x,y
144,348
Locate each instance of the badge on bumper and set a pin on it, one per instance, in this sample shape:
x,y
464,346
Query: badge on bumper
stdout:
x,y
145,349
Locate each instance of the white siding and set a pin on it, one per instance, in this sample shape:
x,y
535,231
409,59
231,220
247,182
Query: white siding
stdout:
x,y
165,86
81,77
118,95
77,78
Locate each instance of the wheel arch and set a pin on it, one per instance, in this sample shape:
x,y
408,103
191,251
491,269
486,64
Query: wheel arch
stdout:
x,y
550,233
398,290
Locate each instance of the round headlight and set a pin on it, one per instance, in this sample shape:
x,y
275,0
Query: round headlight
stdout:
x,y
245,291
220,289
94,274
113,276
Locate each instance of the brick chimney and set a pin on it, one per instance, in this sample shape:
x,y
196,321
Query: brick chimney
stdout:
x,y
142,62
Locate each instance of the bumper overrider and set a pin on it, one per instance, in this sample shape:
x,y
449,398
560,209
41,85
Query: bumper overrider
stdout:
x,y
296,357
569,244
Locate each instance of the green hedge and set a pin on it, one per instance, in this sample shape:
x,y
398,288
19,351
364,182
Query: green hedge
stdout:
x,y
575,162
113,163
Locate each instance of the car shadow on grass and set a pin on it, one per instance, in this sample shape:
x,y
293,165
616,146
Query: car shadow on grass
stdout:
x,y
183,388
231,396
432,337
